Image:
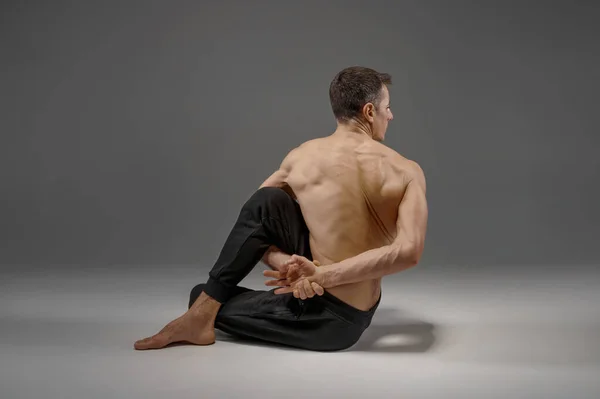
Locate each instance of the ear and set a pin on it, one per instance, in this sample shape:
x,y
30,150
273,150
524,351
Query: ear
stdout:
x,y
369,112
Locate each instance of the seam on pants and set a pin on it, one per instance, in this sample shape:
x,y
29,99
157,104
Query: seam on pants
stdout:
x,y
278,221
241,246
261,225
341,318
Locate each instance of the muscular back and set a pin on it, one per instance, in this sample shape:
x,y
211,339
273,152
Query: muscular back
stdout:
x,y
349,188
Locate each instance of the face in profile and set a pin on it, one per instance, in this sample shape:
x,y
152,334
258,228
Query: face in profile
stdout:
x,y
382,115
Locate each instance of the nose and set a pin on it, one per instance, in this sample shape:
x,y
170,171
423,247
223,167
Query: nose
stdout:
x,y
391,116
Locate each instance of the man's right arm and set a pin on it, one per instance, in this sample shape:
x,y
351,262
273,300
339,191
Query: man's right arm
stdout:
x,y
274,257
403,253
279,177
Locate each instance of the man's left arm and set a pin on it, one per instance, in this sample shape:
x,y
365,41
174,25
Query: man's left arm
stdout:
x,y
403,253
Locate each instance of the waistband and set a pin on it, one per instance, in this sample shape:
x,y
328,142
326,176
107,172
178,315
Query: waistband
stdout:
x,y
348,312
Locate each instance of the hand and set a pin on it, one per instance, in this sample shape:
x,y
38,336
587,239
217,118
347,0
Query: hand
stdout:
x,y
298,275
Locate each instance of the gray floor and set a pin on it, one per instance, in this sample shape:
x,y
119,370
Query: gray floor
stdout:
x,y
442,332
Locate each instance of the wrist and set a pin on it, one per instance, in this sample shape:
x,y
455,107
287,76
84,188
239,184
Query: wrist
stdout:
x,y
327,276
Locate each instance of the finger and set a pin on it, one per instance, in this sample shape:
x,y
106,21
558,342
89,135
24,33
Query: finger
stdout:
x,y
305,261
308,289
292,259
318,289
296,291
301,290
276,283
292,274
273,273
304,266
296,259
316,263
284,290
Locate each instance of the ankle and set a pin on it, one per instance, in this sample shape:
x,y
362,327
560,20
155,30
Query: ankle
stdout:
x,y
205,304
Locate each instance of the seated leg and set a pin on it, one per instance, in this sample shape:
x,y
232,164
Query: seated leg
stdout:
x,y
319,324
269,218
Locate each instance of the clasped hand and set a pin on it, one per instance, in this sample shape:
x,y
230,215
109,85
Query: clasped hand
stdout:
x,y
298,275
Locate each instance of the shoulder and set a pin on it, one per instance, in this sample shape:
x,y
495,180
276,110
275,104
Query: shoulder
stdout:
x,y
300,152
408,168
416,173
414,168
398,159
312,144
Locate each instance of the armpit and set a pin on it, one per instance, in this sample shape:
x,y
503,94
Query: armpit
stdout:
x,y
289,190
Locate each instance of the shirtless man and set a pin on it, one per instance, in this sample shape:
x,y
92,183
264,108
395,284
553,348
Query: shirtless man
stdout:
x,y
341,212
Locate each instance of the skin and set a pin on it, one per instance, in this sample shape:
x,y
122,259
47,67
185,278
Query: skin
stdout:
x,y
366,210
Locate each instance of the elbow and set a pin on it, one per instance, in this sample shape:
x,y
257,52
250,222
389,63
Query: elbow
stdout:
x,y
416,253
413,258
410,256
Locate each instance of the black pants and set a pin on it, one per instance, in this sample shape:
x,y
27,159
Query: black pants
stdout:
x,y
322,323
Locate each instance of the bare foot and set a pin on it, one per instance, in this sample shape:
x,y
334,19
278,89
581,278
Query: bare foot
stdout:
x,y
193,328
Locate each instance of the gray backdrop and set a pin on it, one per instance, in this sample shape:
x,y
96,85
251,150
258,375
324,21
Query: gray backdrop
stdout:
x,y
132,132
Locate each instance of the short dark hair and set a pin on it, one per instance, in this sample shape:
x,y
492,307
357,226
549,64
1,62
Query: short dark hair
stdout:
x,y
354,87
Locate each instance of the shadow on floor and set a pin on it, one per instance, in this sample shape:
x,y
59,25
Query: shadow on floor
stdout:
x,y
392,332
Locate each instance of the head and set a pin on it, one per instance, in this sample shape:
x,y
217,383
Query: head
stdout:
x,y
360,96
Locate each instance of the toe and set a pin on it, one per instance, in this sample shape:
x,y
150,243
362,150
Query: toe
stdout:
x,y
154,342
142,343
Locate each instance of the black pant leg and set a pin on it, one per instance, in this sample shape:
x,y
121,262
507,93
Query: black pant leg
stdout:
x,y
319,324
197,290
312,324
269,217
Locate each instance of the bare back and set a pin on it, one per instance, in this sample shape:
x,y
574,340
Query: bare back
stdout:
x,y
349,189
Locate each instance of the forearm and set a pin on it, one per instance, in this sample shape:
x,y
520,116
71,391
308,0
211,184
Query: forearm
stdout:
x,y
369,265
275,258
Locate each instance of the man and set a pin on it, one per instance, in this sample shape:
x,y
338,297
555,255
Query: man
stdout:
x,y
344,202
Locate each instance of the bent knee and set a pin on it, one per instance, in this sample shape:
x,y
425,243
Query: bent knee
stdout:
x,y
268,198
271,193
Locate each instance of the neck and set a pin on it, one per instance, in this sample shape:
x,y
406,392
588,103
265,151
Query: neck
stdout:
x,y
355,128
